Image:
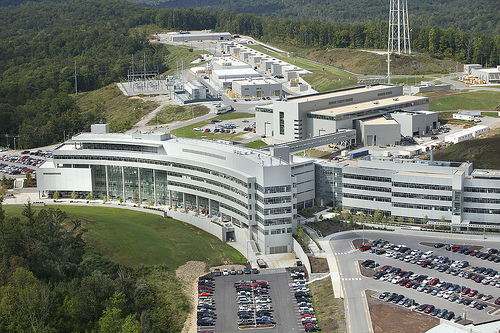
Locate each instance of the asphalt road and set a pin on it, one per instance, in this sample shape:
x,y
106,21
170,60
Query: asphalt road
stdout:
x,y
354,283
461,85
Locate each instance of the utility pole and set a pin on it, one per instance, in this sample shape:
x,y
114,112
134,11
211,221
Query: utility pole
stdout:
x,y
76,82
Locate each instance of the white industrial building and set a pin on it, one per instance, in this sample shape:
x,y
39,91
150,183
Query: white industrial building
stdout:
x,y
467,134
486,75
256,87
196,90
194,36
466,117
323,113
224,78
228,62
416,123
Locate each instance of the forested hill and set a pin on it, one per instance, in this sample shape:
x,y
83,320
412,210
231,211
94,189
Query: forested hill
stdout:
x,y
480,16
41,42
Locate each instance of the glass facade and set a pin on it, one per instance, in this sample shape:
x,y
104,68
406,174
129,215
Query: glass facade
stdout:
x,y
131,183
161,187
99,181
147,185
115,181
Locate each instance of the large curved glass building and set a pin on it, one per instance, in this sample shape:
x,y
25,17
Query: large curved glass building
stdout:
x,y
255,191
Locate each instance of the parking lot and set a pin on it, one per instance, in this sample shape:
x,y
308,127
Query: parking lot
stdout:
x,y
228,126
353,281
285,309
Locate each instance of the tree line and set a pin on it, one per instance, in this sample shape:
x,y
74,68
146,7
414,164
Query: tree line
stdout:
x,y
43,44
51,281
482,16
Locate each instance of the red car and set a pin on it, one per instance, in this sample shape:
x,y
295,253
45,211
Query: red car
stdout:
x,y
384,268
473,253
434,281
472,293
429,308
497,301
465,291
364,248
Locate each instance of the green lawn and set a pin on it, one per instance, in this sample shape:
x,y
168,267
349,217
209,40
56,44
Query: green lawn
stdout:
x,y
463,100
188,132
136,238
171,113
256,144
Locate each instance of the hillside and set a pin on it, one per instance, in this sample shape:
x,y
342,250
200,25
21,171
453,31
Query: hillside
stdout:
x,y
484,153
369,63
482,16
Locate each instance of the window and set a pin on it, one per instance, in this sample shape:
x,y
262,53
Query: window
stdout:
x,y
282,123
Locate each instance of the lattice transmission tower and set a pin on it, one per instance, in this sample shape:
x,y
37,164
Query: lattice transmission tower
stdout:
x,y
399,28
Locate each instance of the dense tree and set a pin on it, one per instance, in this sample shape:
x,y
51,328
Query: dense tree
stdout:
x,y
50,281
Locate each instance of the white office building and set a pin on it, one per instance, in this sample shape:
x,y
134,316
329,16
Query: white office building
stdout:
x,y
257,193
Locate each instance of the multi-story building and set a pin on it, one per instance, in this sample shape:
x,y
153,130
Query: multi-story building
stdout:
x,y
253,190
302,117
258,192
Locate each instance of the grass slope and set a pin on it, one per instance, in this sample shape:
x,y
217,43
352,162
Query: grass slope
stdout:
x,y
136,238
463,100
171,113
484,153
114,108
370,63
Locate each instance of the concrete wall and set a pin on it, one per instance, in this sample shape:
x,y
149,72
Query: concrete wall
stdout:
x,y
64,179
301,255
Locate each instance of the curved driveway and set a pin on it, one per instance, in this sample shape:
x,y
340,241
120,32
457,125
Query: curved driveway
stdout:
x,y
354,284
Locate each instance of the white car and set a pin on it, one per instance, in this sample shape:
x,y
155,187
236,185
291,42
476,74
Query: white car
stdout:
x,y
197,129
225,271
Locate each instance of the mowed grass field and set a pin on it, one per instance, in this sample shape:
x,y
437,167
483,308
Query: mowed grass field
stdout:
x,y
133,238
463,100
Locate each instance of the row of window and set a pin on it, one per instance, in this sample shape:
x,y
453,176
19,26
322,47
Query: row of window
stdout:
x,y
481,210
209,181
481,190
154,162
366,197
274,200
206,190
367,187
274,189
420,206
119,146
482,200
421,196
275,221
340,101
369,178
274,211
234,210
423,186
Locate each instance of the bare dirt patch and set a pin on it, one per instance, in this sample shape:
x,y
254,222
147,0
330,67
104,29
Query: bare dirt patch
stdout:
x,y
368,272
390,318
188,274
319,265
